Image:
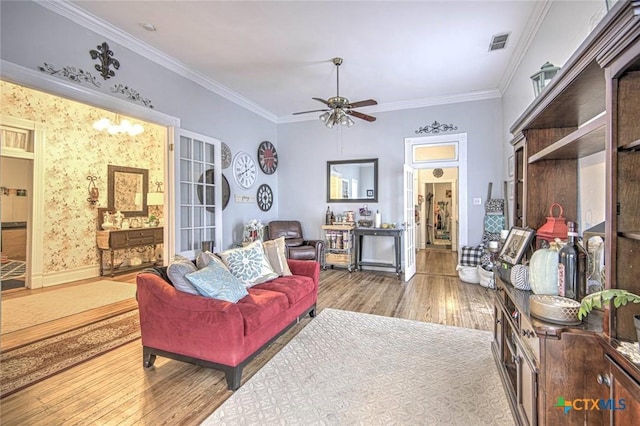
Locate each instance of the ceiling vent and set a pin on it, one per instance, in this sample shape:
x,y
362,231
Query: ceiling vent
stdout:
x,y
498,41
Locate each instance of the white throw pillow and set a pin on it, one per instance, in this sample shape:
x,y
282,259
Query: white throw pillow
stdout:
x,y
275,252
249,264
205,257
176,271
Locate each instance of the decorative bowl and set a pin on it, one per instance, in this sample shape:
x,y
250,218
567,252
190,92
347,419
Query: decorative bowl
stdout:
x,y
556,309
365,223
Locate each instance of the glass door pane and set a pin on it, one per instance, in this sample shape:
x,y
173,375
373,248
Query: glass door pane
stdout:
x,y
200,202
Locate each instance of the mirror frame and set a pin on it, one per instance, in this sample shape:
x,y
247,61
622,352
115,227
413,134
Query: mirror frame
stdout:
x,y
374,199
111,171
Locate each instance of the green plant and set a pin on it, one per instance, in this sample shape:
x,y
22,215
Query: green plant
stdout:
x,y
595,300
152,218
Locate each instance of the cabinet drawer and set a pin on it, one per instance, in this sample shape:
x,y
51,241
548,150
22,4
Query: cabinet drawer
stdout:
x,y
141,241
118,239
140,233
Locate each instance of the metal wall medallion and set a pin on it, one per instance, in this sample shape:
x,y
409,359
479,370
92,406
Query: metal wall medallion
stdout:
x,y
436,128
77,75
131,94
264,197
105,55
438,173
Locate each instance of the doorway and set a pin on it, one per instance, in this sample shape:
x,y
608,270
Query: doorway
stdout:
x,y
439,208
16,190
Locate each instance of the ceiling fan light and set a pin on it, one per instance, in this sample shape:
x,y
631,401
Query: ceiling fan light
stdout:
x,y
324,117
350,122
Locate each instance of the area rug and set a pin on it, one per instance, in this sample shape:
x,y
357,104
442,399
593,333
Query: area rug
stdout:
x,y
32,363
12,269
353,368
22,312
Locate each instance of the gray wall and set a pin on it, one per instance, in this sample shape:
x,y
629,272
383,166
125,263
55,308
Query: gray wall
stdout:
x,y
299,185
307,146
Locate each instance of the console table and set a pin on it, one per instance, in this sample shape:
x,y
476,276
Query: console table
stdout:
x,y
127,238
380,232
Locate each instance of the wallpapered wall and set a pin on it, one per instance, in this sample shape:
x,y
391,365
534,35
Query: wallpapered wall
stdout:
x,y
74,150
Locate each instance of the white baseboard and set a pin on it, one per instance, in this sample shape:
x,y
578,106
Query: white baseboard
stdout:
x,y
83,273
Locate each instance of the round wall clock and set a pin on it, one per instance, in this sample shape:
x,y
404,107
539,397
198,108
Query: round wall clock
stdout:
x,y
226,192
264,197
438,173
244,170
226,155
267,157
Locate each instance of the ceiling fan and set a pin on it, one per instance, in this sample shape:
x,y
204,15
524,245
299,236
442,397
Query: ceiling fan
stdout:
x,y
338,108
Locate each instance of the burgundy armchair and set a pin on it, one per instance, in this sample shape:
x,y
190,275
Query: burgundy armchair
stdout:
x,y
296,246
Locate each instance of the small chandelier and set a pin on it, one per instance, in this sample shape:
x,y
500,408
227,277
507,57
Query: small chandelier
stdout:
x,y
331,118
543,77
123,126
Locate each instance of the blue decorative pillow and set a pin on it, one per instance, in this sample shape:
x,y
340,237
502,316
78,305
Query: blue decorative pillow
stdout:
x,y
249,264
176,272
216,282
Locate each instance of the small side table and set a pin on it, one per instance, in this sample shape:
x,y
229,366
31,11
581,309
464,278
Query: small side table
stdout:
x,y
396,233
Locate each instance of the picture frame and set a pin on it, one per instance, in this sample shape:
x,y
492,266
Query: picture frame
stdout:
x,y
515,245
369,193
510,164
511,189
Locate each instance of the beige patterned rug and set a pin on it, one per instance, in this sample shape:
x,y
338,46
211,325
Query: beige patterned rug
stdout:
x,y
36,361
347,368
22,312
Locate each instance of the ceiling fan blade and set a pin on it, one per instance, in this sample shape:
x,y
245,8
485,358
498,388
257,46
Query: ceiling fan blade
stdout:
x,y
313,110
361,115
321,100
359,104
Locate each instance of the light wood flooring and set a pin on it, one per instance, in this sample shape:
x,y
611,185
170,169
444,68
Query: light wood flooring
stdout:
x,y
115,389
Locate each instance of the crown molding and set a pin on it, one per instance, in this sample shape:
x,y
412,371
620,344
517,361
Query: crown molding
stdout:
x,y
529,32
99,26
409,104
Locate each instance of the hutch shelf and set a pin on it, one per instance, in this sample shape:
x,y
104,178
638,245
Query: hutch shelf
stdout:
x,y
591,106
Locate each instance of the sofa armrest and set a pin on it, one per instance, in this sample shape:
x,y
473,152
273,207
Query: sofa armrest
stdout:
x,y
307,268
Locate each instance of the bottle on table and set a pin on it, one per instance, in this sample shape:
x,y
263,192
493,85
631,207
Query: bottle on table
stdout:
x,y
572,265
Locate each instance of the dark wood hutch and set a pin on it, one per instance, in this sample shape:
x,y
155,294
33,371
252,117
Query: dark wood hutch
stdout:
x,y
592,105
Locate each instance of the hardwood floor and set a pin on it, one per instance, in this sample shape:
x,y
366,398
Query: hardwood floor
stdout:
x,y
115,389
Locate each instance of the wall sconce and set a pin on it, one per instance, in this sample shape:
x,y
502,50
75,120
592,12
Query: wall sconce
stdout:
x,y
155,199
543,77
94,193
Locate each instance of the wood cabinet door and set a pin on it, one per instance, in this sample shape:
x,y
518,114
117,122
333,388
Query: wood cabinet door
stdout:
x,y
625,396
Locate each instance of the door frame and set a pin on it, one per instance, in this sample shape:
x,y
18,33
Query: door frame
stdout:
x,y
19,75
460,139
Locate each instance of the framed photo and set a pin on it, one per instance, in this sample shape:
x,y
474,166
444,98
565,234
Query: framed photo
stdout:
x,y
511,165
515,245
447,193
369,193
511,190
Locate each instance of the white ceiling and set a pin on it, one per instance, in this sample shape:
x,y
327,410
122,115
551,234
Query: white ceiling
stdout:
x,y
275,56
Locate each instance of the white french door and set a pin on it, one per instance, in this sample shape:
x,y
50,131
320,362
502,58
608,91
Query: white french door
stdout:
x,y
409,224
198,177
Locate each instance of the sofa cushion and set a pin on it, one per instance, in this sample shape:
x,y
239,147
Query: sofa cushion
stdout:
x,y
295,287
176,271
205,257
260,307
216,282
249,264
275,252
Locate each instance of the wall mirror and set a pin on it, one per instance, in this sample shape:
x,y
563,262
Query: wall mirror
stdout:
x,y
352,181
127,190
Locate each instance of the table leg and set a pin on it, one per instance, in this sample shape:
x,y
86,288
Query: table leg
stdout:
x,y
112,260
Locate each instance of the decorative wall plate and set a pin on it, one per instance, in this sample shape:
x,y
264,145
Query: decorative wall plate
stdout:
x,y
264,197
267,157
226,155
244,170
438,172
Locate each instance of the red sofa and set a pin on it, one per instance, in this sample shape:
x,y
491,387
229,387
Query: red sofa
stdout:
x,y
217,334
